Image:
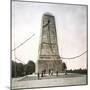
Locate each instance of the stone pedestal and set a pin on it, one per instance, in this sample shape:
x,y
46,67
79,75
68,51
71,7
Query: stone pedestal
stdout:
x,y
49,65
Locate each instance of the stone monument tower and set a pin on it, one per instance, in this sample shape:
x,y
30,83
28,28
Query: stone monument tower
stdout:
x,y
49,58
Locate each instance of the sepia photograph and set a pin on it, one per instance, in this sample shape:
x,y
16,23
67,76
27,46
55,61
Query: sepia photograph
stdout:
x,y
48,44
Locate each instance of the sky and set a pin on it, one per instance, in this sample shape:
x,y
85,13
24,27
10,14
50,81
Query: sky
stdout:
x,y
71,27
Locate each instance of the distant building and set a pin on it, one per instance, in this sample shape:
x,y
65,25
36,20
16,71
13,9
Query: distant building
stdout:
x,y
49,58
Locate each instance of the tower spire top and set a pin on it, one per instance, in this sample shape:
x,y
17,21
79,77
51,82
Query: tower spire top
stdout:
x,y
48,14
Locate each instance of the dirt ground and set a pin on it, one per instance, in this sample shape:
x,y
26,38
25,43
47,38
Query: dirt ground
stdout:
x,y
31,81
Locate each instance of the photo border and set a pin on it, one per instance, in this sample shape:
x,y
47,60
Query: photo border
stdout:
x,y
11,43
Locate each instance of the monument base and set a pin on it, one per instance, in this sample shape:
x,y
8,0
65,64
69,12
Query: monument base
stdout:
x,y
49,65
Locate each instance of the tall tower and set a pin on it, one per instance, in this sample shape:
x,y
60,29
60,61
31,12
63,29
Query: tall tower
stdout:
x,y
49,58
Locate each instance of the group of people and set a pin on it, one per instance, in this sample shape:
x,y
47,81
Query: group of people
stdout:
x,y
42,74
50,71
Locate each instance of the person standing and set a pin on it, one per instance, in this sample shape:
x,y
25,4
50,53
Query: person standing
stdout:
x,y
38,75
42,74
49,71
57,73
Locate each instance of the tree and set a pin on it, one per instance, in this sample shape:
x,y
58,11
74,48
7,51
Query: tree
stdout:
x,y
13,68
64,67
17,69
29,67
